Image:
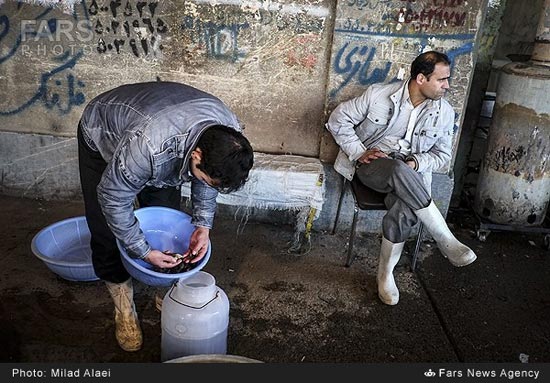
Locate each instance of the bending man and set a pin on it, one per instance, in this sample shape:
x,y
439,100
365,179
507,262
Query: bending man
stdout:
x,y
143,141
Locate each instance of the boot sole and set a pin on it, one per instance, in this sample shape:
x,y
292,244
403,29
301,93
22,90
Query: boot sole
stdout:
x,y
390,303
130,349
470,261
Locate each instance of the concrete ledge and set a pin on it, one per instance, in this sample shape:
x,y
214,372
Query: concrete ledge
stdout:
x,y
280,182
46,167
39,166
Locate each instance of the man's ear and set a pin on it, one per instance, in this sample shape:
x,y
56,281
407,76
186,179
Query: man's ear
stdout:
x,y
196,154
420,79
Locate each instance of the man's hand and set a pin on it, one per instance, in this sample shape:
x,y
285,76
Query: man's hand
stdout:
x,y
198,245
162,260
371,155
412,164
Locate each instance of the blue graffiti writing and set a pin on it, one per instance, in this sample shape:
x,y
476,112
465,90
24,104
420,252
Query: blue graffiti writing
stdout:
x,y
351,25
220,40
356,64
49,95
362,4
462,50
4,20
58,89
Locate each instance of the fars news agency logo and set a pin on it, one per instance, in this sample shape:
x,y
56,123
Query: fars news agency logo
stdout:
x,y
54,36
429,374
500,373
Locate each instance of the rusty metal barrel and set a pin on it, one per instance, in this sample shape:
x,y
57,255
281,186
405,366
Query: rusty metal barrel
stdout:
x,y
513,187
514,181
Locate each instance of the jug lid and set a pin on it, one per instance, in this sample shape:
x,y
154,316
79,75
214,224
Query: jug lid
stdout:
x,y
196,290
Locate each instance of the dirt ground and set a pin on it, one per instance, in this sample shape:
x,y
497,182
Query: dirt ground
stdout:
x,y
293,309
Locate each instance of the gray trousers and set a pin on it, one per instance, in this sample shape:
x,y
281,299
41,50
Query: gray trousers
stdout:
x,y
405,191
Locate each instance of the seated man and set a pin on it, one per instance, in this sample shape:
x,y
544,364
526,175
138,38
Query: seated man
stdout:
x,y
392,137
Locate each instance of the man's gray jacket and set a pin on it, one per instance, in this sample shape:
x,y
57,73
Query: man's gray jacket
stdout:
x,y
146,133
360,123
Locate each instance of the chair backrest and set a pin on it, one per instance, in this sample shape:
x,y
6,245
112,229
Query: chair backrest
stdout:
x,y
365,197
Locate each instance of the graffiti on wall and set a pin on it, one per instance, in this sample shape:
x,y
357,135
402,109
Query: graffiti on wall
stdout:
x,y
231,31
218,40
132,26
373,45
42,36
366,4
302,51
407,16
356,63
295,18
436,14
368,64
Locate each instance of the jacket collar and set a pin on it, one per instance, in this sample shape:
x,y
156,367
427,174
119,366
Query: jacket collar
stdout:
x,y
187,146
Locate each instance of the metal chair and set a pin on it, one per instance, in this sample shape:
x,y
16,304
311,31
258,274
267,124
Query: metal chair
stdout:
x,y
366,198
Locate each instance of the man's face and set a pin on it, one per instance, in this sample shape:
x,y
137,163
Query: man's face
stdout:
x,y
435,86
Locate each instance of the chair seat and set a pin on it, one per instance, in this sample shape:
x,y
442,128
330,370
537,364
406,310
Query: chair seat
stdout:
x,y
367,198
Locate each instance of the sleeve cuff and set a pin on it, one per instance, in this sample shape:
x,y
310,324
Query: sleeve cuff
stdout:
x,y
142,257
359,153
413,158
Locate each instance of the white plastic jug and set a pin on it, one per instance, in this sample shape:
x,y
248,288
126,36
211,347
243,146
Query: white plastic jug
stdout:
x,y
194,318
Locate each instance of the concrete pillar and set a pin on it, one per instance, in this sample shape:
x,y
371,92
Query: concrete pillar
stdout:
x,y
514,181
541,50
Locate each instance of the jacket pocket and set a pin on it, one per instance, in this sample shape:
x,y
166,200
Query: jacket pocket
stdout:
x,y
169,152
374,126
379,114
429,136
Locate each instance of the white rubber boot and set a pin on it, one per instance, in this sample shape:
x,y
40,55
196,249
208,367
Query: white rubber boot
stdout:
x,y
457,253
128,332
389,256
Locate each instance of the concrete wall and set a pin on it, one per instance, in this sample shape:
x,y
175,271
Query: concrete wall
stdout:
x,y
265,60
519,28
486,44
375,41
282,67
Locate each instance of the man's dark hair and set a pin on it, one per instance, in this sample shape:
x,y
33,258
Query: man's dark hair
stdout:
x,y
425,63
227,157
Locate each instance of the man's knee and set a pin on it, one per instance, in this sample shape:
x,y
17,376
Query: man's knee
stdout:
x,y
400,168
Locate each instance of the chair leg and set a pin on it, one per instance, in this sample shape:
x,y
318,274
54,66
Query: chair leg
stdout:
x,y
349,261
417,246
342,192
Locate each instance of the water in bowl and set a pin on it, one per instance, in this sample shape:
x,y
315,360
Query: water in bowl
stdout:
x,y
163,241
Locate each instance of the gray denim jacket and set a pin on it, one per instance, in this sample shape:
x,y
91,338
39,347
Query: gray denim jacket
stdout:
x,y
146,133
360,123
